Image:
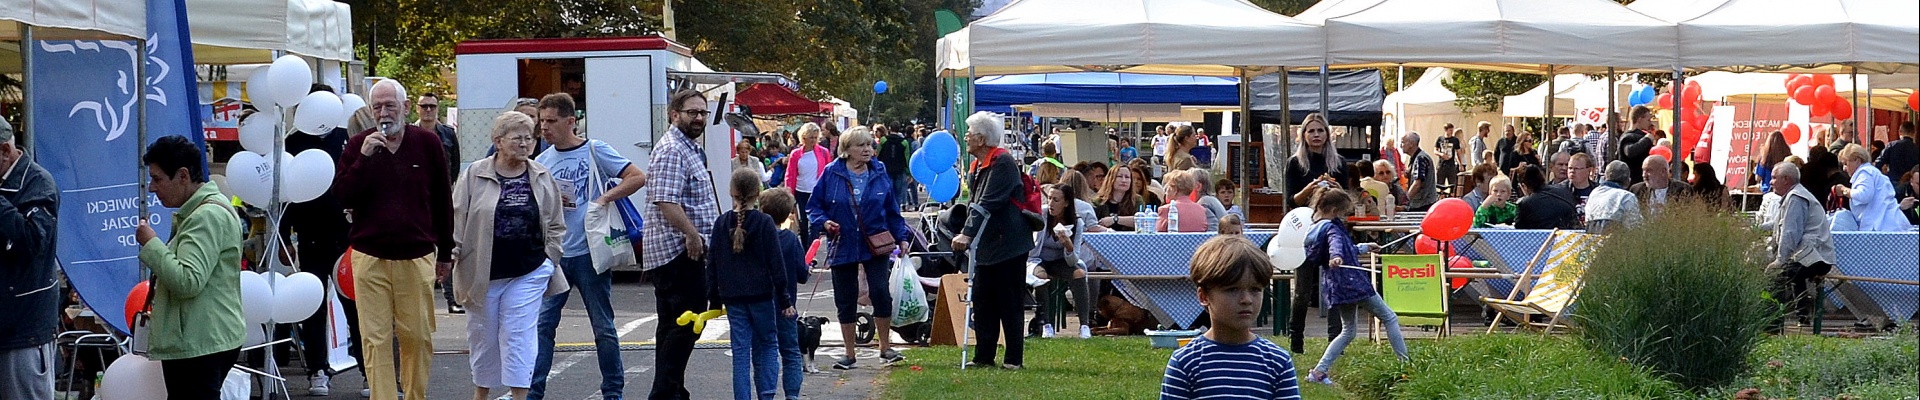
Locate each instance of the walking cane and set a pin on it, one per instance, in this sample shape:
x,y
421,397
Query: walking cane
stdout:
x,y
973,264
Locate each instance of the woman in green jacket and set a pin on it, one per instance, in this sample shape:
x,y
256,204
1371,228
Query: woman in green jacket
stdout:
x,y
196,328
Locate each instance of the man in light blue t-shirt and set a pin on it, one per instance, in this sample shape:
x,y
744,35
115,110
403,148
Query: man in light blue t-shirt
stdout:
x,y
570,160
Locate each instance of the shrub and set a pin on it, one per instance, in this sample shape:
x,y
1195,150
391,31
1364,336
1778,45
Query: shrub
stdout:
x,y
1682,294
1498,366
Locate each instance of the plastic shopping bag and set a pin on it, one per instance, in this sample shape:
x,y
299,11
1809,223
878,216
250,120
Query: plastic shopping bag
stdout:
x,y
909,299
607,240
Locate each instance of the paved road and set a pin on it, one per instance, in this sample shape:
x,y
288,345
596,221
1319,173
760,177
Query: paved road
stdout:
x,y
576,374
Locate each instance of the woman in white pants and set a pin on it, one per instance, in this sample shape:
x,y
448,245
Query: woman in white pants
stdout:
x,y
507,232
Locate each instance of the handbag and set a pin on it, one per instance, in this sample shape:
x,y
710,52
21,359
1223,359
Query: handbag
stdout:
x,y
879,244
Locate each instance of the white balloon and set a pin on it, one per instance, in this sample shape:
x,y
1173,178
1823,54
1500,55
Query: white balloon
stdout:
x,y
256,298
255,335
256,89
289,80
133,377
1288,248
257,133
251,176
319,112
308,176
296,297
349,103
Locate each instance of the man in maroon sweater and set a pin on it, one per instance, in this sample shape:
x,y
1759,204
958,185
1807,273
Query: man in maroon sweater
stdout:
x,y
393,181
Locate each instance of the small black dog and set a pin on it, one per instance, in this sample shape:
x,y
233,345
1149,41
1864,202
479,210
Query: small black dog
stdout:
x,y
810,338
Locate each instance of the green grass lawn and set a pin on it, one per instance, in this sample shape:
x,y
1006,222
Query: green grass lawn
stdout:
x,y
1097,368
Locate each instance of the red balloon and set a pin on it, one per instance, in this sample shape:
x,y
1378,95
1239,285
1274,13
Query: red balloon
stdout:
x,y
1824,94
1913,100
1795,81
1664,100
1791,132
1803,95
1841,109
136,301
1448,220
813,249
1458,262
1663,152
343,274
1821,80
1692,93
1426,245
1820,108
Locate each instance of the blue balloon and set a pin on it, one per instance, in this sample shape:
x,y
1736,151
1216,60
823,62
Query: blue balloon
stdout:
x,y
942,151
944,186
1641,96
918,166
880,86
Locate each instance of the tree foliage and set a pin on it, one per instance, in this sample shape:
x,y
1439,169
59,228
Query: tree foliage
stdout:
x,y
1483,90
412,40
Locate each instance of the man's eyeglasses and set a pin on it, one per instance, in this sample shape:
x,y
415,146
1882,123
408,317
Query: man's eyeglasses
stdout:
x,y
696,112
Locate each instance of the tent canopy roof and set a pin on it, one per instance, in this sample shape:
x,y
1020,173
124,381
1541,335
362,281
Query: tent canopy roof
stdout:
x,y
997,93
764,99
1506,35
1877,36
248,31
114,18
1175,37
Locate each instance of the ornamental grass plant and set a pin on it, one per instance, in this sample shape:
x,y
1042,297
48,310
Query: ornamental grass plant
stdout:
x,y
1683,295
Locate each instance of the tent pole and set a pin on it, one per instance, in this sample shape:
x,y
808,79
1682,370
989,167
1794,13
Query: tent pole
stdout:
x,y
1547,123
1400,109
1286,138
1246,137
1613,105
1753,132
1673,135
1853,78
26,93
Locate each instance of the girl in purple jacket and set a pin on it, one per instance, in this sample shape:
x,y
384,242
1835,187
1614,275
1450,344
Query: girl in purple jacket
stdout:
x,y
1346,286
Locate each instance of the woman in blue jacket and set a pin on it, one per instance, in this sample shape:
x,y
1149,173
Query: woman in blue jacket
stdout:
x,y
852,201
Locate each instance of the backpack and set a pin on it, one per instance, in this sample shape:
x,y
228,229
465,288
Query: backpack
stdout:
x,y
895,153
1031,201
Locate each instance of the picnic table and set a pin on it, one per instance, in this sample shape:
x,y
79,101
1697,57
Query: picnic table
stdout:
x,y
1151,270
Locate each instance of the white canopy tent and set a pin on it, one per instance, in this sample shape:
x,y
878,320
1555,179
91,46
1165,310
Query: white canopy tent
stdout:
x,y
1426,106
1503,35
246,31
112,17
1572,92
1876,36
1186,37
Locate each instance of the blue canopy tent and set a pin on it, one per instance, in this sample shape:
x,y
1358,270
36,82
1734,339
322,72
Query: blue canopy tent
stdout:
x,y
1000,93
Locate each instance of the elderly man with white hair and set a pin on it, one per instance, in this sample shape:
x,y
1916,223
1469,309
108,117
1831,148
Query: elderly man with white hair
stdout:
x,y
1001,236
1659,186
1611,205
394,180
1802,241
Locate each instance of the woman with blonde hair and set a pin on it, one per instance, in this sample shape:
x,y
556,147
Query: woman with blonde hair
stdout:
x,y
1870,198
853,206
1315,163
805,166
508,229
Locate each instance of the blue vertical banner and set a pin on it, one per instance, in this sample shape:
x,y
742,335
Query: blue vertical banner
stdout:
x,y
87,119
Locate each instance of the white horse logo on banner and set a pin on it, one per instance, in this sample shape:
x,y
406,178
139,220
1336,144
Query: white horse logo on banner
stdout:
x,y
115,120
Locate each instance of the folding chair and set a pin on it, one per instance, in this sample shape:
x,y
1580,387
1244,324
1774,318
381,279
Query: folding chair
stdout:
x,y
1415,288
1554,289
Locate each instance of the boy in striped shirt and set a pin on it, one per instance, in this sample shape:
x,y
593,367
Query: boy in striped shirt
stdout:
x,y
1229,361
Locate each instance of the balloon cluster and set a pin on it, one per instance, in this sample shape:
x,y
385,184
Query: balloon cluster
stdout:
x,y
932,165
1643,95
1693,119
280,299
1817,93
303,177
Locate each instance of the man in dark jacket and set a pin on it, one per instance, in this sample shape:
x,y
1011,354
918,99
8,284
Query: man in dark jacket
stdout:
x,y
895,151
1636,144
997,228
29,297
429,106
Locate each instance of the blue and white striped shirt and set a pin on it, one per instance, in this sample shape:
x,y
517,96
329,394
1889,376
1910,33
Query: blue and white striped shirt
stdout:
x,y
1206,369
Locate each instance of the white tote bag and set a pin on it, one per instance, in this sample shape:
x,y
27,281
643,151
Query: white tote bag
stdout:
x,y
607,241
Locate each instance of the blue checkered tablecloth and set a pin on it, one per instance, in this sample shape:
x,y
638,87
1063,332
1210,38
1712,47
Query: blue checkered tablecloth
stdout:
x,y
1172,301
1889,255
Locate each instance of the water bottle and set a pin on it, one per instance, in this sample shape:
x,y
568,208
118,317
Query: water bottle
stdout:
x,y
1153,219
1139,219
1173,218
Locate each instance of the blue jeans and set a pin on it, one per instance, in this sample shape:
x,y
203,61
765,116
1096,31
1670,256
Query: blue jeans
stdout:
x,y
903,192
596,290
792,365
756,353
1349,327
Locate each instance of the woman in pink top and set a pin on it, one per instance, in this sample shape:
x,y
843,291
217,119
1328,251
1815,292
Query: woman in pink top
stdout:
x,y
804,167
1180,195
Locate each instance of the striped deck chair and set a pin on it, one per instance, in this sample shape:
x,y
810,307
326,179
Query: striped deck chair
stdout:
x,y
1554,289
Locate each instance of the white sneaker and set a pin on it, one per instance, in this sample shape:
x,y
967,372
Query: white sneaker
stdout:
x,y
1086,331
1046,331
319,385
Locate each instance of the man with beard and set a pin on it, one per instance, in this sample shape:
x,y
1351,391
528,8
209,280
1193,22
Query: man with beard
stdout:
x,y
681,207
393,178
